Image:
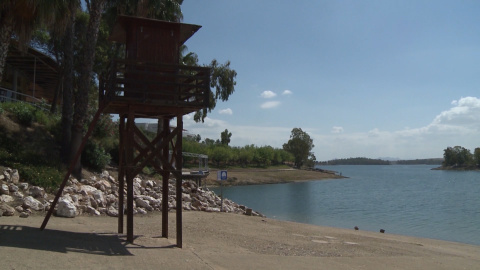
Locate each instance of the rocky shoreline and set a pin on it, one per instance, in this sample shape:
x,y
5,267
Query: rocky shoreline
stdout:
x,y
98,196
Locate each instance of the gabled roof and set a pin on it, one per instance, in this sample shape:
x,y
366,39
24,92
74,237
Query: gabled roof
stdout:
x,y
35,64
119,30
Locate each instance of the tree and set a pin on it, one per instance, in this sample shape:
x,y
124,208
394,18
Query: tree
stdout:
x,y
457,156
21,18
95,9
225,137
476,156
300,145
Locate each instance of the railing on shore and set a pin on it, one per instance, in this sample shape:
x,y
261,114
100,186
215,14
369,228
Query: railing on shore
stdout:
x,y
8,95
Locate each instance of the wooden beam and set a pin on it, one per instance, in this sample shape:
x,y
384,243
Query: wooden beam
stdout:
x,y
130,174
121,173
178,165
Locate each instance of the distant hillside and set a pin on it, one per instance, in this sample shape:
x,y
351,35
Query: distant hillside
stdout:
x,y
355,161
428,161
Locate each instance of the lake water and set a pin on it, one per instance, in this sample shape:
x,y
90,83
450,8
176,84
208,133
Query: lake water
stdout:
x,y
402,199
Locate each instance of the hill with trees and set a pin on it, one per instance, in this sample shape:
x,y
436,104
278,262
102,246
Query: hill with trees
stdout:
x,y
355,161
460,158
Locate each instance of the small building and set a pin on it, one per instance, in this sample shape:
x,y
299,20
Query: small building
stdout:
x,y
29,76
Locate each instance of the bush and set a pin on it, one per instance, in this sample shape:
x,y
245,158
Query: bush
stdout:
x,y
94,156
23,112
44,176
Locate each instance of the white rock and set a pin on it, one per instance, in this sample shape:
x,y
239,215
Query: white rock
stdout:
x,y
92,211
66,208
4,189
6,198
186,197
112,211
87,189
99,198
24,214
15,177
7,210
37,192
32,203
144,204
23,186
141,211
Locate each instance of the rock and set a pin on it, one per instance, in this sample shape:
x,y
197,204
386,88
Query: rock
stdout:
x,y
15,177
141,211
103,185
6,176
7,210
66,208
87,190
92,211
12,188
18,194
19,208
144,204
6,198
111,211
186,197
24,214
99,198
32,203
23,186
37,192
4,189
2,177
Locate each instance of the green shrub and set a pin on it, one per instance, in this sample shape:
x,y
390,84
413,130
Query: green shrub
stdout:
x,y
94,156
24,112
44,176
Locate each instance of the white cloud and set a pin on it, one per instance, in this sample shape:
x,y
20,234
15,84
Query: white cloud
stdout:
x,y
458,125
270,104
337,130
287,92
268,94
226,111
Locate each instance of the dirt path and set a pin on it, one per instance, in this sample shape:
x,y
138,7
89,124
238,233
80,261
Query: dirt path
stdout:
x,y
218,241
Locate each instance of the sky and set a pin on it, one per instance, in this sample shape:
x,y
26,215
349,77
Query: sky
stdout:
x,y
375,79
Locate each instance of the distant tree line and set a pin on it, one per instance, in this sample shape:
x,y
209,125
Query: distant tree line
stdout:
x,y
428,161
222,155
459,156
355,161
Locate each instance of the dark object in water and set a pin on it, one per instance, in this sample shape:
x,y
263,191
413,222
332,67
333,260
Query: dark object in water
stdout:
x,y
356,228
382,230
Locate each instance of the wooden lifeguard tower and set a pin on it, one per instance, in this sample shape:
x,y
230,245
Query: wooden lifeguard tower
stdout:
x,y
150,83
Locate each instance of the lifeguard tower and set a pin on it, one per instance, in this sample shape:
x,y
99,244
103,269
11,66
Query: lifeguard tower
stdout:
x,y
150,83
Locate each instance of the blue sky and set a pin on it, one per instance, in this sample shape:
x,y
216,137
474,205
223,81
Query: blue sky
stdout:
x,y
364,78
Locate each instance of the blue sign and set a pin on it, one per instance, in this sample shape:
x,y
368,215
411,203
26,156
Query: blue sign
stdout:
x,y
222,175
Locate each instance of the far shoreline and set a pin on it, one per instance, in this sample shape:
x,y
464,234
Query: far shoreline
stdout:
x,y
256,176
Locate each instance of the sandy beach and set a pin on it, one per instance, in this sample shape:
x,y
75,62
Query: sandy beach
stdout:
x,y
218,241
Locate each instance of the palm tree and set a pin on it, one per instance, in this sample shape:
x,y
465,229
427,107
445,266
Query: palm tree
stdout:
x,y
20,18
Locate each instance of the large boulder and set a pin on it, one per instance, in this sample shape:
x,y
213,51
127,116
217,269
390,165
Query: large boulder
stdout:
x,y
32,203
6,198
7,210
66,207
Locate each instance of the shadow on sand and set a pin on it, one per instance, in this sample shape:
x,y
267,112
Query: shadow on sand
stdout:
x,y
62,241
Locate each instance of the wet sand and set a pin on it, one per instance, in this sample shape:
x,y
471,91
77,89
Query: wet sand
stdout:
x,y
218,241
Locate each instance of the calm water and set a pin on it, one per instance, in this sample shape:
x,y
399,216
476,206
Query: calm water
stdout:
x,y
402,199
